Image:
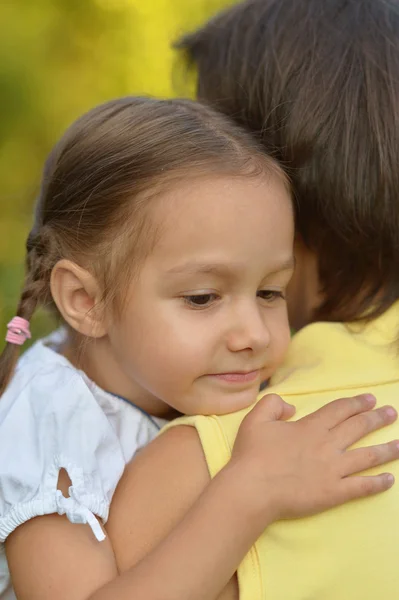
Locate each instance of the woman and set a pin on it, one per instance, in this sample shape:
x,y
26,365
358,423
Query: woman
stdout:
x,y
318,82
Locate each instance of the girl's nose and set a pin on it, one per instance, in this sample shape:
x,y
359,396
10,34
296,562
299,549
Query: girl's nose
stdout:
x,y
249,330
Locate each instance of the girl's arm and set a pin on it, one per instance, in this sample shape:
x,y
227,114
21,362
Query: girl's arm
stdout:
x,y
49,557
306,473
185,542
200,555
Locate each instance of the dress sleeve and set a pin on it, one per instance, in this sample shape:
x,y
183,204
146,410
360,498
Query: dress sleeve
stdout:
x,y
49,423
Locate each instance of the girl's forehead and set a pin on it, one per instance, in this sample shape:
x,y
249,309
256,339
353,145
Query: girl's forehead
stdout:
x,y
223,197
238,216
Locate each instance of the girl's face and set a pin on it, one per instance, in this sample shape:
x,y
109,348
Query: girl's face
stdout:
x,y
206,320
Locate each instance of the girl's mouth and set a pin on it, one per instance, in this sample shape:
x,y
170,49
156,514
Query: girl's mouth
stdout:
x,y
238,377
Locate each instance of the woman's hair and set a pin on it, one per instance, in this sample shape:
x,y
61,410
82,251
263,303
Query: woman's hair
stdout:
x,y
317,81
98,183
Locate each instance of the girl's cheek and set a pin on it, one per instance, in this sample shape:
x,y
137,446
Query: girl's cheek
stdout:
x,y
283,339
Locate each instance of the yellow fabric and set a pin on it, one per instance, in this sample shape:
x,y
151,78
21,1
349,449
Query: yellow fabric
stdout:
x,y
350,552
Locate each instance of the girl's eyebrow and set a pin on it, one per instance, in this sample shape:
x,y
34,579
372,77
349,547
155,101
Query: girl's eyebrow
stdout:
x,y
286,265
223,269
193,268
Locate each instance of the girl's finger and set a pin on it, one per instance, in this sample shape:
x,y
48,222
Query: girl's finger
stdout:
x,y
362,459
273,408
355,428
337,411
363,486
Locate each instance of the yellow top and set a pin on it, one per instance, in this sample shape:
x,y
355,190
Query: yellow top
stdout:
x,y
350,552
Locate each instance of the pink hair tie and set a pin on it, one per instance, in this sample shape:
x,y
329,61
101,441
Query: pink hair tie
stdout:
x,y
18,331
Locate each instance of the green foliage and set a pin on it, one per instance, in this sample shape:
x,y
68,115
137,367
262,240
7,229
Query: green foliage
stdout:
x,y
59,58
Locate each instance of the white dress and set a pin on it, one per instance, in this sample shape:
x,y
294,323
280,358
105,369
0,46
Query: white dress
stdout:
x,y
52,417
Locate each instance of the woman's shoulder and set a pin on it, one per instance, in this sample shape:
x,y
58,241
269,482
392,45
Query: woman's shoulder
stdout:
x,y
216,434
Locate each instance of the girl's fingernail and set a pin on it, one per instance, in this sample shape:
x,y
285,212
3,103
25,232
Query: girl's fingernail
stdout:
x,y
390,478
391,412
370,399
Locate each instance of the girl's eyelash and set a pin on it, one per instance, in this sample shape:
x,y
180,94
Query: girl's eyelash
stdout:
x,y
200,300
271,294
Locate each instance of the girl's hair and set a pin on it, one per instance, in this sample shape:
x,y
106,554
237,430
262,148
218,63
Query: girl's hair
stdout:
x,y
98,182
317,81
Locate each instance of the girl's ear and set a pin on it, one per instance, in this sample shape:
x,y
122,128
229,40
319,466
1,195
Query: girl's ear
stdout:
x,y
77,295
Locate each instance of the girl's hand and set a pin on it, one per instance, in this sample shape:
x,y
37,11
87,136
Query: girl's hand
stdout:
x,y
305,465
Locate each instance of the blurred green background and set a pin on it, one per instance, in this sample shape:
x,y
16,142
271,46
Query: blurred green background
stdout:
x,y
59,58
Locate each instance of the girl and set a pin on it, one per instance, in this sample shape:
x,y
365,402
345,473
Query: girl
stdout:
x,y
319,83
163,240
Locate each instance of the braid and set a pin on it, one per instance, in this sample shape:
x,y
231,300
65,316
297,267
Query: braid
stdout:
x,y
42,254
40,259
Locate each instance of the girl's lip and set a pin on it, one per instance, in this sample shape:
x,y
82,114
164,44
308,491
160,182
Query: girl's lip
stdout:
x,y
238,377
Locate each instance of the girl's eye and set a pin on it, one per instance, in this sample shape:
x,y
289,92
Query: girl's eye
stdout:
x,y
271,295
200,300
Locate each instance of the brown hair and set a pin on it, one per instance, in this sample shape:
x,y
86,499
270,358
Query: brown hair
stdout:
x,y
317,81
99,178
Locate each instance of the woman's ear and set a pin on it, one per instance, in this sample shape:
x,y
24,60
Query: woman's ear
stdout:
x,y
77,295
303,292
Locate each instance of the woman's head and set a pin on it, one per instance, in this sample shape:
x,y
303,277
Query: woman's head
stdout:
x,y
134,191
318,83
